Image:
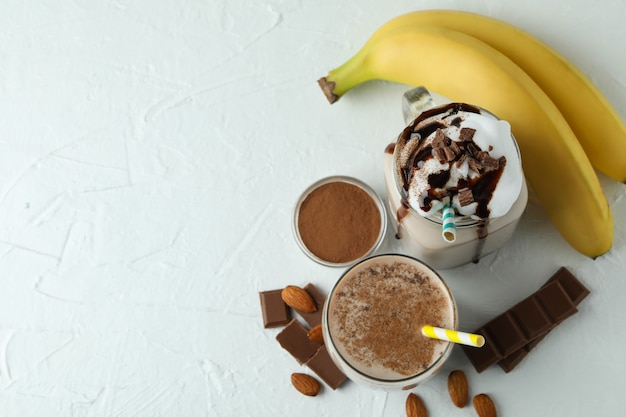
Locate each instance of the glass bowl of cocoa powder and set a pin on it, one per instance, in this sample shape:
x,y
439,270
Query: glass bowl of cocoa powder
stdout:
x,y
339,220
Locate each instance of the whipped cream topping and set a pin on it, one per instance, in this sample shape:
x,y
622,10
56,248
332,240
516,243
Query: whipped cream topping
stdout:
x,y
462,156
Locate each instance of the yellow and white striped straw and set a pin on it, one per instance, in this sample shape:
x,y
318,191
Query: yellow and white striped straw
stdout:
x,y
454,336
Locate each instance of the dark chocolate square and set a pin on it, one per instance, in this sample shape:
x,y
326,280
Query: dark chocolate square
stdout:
x,y
532,318
325,368
556,301
275,311
295,340
485,356
506,333
575,289
511,361
533,343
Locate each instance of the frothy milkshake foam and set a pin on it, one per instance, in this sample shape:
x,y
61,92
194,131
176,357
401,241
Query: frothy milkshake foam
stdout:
x,y
459,155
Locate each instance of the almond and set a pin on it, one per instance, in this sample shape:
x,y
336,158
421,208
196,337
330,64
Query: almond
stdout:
x,y
415,407
315,335
484,406
298,299
458,388
306,384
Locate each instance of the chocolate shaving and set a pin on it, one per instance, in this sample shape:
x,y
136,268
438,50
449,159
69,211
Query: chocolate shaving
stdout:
x,y
465,197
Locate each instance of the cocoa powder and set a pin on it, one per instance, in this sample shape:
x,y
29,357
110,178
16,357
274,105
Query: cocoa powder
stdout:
x,y
339,222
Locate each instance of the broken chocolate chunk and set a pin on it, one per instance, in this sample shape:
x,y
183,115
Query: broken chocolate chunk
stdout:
x,y
474,165
460,161
465,197
449,153
325,368
487,161
295,340
275,312
440,154
490,162
455,147
466,134
481,155
440,139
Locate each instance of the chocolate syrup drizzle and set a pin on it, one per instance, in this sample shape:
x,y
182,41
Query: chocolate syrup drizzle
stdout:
x,y
482,186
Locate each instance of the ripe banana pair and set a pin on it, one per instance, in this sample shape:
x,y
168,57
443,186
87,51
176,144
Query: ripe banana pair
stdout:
x,y
563,124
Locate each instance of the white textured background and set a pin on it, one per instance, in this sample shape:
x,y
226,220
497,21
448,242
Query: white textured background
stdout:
x,y
150,156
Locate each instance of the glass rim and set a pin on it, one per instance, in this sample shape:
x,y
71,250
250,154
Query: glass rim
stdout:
x,y
380,205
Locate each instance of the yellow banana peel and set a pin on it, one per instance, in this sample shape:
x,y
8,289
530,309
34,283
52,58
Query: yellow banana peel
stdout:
x,y
596,124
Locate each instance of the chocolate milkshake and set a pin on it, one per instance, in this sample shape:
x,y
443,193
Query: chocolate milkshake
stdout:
x,y
374,316
464,159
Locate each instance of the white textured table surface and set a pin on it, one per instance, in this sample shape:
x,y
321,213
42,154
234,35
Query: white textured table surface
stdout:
x,y
151,154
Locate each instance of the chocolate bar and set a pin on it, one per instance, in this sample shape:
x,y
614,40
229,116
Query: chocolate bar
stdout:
x,y
510,336
275,312
295,340
314,318
325,368
575,290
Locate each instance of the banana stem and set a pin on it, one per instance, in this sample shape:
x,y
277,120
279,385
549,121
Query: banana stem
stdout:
x,y
345,77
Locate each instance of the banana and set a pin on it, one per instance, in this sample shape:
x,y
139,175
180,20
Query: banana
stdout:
x,y
467,70
598,127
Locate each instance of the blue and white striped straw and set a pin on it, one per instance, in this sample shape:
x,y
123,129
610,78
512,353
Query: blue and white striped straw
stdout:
x,y
449,227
